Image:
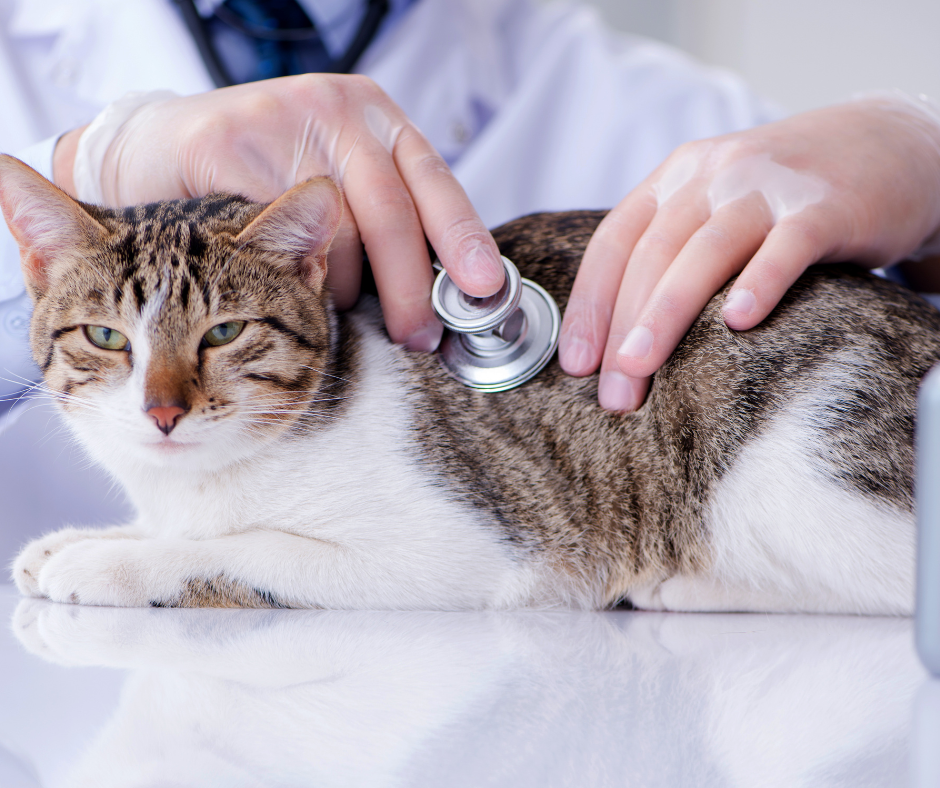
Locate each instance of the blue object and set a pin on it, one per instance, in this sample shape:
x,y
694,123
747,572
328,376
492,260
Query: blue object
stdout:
x,y
249,40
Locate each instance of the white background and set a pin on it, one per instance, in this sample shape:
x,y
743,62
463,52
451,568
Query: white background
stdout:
x,y
800,53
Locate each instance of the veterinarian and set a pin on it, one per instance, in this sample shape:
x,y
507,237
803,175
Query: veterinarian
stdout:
x,y
521,107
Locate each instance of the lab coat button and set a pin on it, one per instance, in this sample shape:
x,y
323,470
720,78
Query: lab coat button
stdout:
x,y
460,133
16,324
65,72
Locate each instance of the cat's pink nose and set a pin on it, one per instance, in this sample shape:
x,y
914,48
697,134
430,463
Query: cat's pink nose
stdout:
x,y
166,417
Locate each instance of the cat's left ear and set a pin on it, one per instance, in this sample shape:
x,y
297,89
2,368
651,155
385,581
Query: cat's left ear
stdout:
x,y
50,227
298,227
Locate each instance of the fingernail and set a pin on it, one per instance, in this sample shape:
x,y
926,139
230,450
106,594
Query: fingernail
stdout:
x,y
485,270
615,391
425,339
575,355
741,301
638,344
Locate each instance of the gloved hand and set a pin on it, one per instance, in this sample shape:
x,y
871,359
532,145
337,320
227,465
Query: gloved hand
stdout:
x,y
858,181
261,138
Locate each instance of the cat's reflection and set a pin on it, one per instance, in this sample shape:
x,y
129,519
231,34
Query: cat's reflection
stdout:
x,y
302,698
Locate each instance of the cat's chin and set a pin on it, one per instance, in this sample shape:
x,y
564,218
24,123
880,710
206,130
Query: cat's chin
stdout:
x,y
185,455
170,447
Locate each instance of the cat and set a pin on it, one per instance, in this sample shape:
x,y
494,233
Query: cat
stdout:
x,y
281,454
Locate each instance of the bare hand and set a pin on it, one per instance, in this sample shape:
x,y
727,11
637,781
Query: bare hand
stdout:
x,y
858,181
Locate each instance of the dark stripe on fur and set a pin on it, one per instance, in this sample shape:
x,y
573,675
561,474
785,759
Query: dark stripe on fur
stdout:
x,y
277,325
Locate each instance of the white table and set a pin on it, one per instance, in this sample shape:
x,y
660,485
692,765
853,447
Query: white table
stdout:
x,y
103,697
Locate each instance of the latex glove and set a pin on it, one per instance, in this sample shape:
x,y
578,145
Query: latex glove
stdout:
x,y
858,181
261,138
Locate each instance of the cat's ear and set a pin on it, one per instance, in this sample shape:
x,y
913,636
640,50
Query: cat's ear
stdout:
x,y
49,226
298,227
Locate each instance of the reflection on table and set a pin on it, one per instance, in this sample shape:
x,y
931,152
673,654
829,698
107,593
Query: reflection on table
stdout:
x,y
319,698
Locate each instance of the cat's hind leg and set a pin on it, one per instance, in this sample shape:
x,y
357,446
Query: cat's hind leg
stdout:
x,y
788,534
702,593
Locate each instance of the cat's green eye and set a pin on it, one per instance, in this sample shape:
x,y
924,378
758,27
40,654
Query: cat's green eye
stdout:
x,y
223,333
106,338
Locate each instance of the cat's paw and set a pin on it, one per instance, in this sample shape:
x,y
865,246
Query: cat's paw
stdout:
x,y
72,635
109,572
30,562
27,627
52,632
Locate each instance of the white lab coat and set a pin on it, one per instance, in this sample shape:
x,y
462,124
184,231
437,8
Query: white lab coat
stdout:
x,y
536,106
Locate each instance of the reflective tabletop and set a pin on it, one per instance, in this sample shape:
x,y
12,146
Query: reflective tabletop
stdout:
x,y
109,697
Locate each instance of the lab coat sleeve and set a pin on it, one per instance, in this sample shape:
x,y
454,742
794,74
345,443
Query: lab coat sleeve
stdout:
x,y
17,369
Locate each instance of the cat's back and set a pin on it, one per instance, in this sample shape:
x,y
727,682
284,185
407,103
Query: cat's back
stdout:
x,y
816,404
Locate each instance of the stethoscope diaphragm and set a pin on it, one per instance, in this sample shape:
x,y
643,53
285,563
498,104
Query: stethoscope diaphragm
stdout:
x,y
499,342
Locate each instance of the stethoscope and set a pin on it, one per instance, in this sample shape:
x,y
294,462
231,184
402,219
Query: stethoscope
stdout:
x,y
499,342
199,29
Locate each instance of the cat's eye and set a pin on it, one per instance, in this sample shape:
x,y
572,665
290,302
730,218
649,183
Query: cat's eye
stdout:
x,y
106,338
223,333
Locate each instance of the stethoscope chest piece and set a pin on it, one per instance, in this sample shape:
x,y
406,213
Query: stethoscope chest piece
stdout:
x,y
499,342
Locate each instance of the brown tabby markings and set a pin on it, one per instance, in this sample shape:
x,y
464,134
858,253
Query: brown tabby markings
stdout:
x,y
220,591
178,259
627,493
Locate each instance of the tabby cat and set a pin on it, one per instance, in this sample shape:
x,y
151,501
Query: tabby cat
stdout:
x,y
281,454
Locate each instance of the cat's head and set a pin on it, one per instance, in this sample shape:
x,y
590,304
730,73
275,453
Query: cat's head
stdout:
x,y
183,332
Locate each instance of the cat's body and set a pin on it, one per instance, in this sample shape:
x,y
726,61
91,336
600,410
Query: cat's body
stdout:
x,y
311,462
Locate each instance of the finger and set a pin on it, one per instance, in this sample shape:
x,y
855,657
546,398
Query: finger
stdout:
x,y
714,253
619,392
586,323
673,225
465,247
391,232
789,249
344,269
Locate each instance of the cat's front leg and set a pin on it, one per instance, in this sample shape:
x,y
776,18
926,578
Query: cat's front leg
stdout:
x,y
240,570
29,564
122,573
266,568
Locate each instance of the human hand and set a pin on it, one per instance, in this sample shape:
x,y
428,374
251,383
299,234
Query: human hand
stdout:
x,y
858,181
261,138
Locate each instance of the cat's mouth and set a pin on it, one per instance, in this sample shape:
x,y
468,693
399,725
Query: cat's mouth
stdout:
x,y
170,446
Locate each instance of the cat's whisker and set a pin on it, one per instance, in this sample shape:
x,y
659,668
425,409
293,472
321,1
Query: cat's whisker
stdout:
x,y
264,407
276,414
298,397
17,378
87,404
74,399
286,407
323,372
28,392
33,405
59,430
286,402
15,399
299,403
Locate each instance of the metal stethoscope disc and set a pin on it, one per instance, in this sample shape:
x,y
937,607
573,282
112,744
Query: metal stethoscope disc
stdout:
x,y
468,315
500,342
